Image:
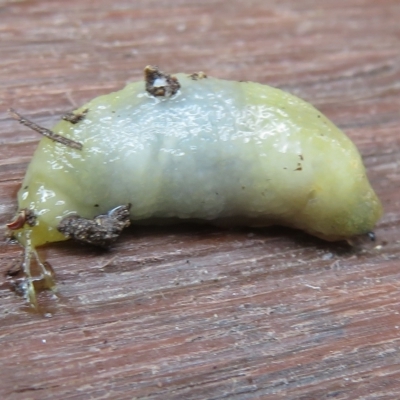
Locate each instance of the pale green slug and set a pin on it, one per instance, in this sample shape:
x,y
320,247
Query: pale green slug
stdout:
x,y
191,147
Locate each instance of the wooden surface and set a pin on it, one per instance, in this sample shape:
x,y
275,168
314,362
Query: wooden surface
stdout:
x,y
198,312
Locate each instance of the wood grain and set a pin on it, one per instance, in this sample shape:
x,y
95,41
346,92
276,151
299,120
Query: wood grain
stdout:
x,y
195,312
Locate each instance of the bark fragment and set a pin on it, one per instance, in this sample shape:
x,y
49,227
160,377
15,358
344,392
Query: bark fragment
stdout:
x,y
99,231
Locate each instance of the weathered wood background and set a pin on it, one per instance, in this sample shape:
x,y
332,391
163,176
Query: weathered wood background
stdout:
x,y
198,312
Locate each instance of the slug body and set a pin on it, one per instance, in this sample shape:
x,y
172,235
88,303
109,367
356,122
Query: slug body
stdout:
x,y
227,152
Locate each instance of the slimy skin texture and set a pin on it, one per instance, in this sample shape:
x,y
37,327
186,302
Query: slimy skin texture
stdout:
x,y
237,153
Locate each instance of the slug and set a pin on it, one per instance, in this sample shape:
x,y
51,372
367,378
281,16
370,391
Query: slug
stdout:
x,y
190,147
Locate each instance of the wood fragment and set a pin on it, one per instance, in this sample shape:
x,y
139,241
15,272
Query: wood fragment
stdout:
x,y
160,84
74,118
198,75
44,131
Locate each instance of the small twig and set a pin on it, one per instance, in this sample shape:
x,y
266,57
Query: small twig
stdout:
x,y
44,131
